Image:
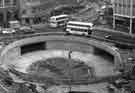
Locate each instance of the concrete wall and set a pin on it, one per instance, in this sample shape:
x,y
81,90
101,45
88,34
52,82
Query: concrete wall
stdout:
x,y
11,55
12,51
69,45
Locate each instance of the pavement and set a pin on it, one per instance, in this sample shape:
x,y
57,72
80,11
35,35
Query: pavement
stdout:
x,y
94,88
102,67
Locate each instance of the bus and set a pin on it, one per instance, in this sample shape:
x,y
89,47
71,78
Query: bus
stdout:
x,y
59,20
79,28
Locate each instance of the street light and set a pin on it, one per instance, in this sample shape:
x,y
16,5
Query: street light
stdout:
x,y
70,57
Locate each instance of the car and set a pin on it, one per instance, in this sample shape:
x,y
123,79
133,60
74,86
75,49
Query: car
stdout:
x,y
26,29
8,30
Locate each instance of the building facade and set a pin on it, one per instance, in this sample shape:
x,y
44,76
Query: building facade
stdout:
x,y
109,1
8,11
28,11
124,10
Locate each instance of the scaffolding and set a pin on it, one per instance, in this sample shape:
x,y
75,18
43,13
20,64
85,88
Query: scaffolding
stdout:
x,y
124,9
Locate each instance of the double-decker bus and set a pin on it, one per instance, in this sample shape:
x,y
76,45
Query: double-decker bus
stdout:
x,y
59,20
79,28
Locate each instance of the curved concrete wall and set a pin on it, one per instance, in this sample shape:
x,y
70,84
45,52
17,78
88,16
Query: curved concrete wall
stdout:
x,y
15,46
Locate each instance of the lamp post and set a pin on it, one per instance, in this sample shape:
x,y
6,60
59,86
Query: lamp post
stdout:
x,y
69,56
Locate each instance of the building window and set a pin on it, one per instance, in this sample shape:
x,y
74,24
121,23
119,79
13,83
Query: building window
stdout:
x,y
29,0
33,10
10,3
27,20
24,12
